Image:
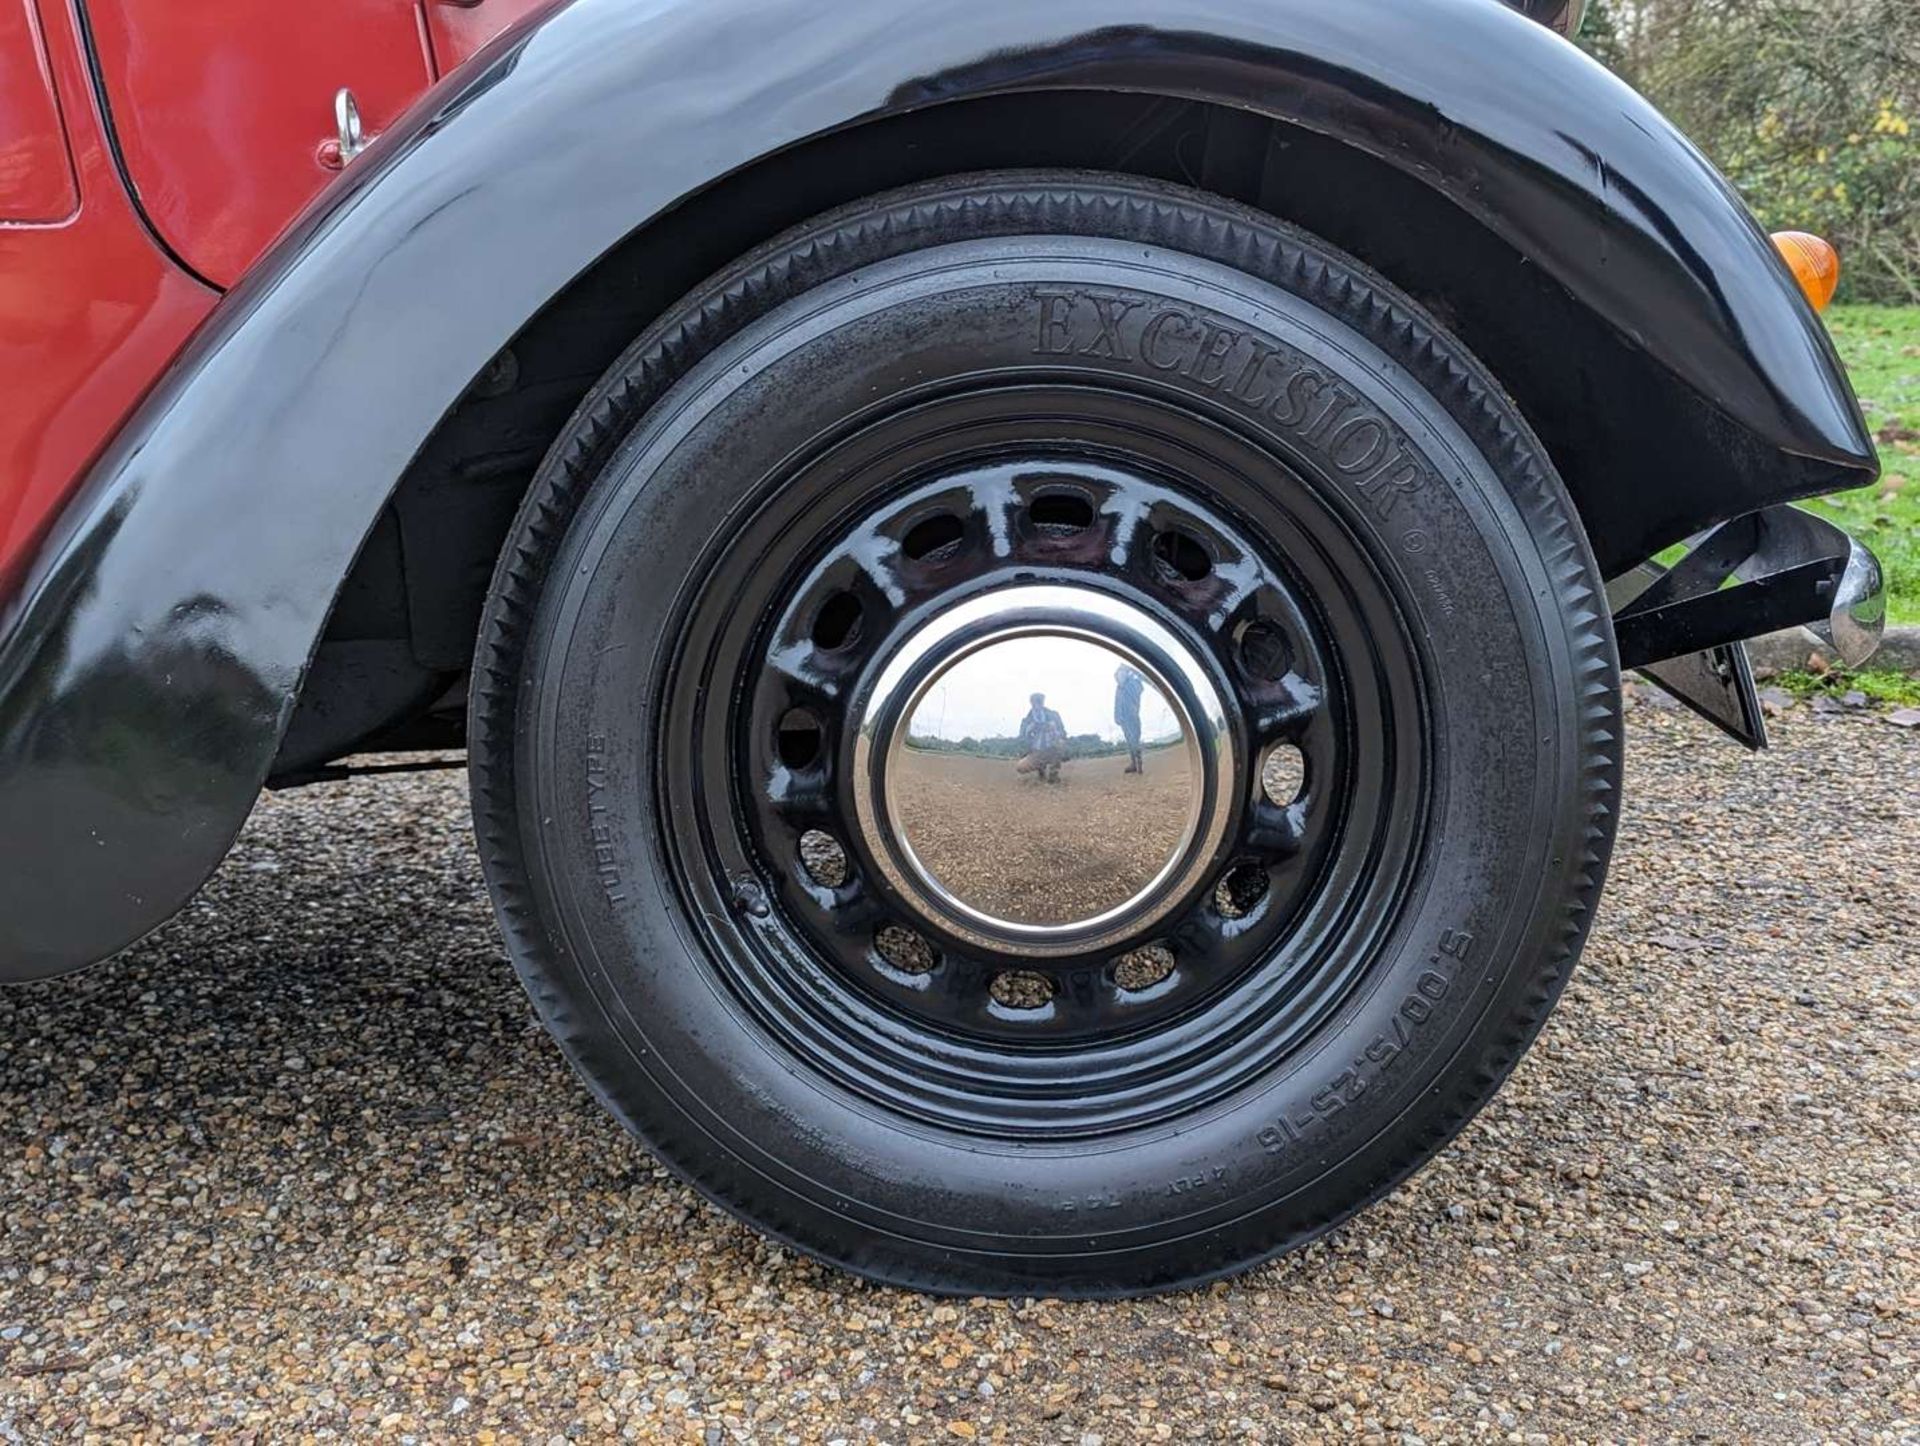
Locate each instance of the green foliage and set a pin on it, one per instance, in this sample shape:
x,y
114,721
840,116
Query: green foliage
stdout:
x,y
1811,109
1881,347
1881,685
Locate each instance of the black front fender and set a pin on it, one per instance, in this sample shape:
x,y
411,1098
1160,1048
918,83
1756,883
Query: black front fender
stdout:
x,y
153,656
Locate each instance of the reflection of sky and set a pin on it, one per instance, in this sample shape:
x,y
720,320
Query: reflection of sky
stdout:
x,y
985,695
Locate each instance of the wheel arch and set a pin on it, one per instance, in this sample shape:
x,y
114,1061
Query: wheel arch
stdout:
x,y
512,194
1566,366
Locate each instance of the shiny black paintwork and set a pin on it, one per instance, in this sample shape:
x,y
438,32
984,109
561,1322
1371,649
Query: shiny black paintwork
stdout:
x,y
153,657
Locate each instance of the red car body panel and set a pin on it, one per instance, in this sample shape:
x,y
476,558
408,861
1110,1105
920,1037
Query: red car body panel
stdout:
x,y
91,310
218,108
36,174
459,28
221,107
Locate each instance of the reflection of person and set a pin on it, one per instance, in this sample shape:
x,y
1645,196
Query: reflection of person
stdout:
x,y
1044,737
1127,687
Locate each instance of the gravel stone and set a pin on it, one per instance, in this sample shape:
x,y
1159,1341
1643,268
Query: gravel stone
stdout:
x,y
303,1166
905,949
1021,989
823,858
1144,967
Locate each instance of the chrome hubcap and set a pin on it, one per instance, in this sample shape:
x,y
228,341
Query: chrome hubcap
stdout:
x,y
1044,770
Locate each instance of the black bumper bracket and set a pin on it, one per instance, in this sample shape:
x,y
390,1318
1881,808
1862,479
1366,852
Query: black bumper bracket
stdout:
x,y
1685,626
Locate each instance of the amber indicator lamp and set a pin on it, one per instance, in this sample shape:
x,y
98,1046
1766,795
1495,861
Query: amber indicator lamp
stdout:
x,y
1814,263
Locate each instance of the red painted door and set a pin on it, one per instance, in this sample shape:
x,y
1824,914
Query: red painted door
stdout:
x,y
90,311
36,172
220,107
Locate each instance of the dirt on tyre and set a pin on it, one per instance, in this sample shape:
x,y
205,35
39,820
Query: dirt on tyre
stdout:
x,y
1139,989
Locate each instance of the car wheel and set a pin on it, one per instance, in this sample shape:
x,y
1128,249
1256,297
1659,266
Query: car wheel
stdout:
x,y
888,961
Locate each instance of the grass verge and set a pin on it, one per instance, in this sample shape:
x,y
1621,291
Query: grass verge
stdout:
x,y
1881,347
1881,685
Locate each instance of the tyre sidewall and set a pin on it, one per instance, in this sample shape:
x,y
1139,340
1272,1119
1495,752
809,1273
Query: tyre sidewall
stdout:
x,y
1464,533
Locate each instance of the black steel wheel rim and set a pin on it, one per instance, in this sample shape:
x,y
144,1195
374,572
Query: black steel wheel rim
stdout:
x,y
955,494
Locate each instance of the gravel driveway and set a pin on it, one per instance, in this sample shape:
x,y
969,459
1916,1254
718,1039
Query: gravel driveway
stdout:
x,y
303,1165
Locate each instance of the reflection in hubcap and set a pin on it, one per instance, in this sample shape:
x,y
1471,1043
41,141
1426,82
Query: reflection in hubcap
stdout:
x,y
1048,763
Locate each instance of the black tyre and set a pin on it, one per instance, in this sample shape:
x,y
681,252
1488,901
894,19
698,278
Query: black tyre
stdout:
x,y
824,955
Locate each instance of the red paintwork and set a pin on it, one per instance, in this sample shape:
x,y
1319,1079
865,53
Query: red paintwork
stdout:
x,y
36,178
219,107
459,29
90,313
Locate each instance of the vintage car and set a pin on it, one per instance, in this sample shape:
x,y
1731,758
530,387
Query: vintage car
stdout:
x,y
1034,594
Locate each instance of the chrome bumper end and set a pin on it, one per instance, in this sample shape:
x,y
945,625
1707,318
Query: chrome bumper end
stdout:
x,y
1858,616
